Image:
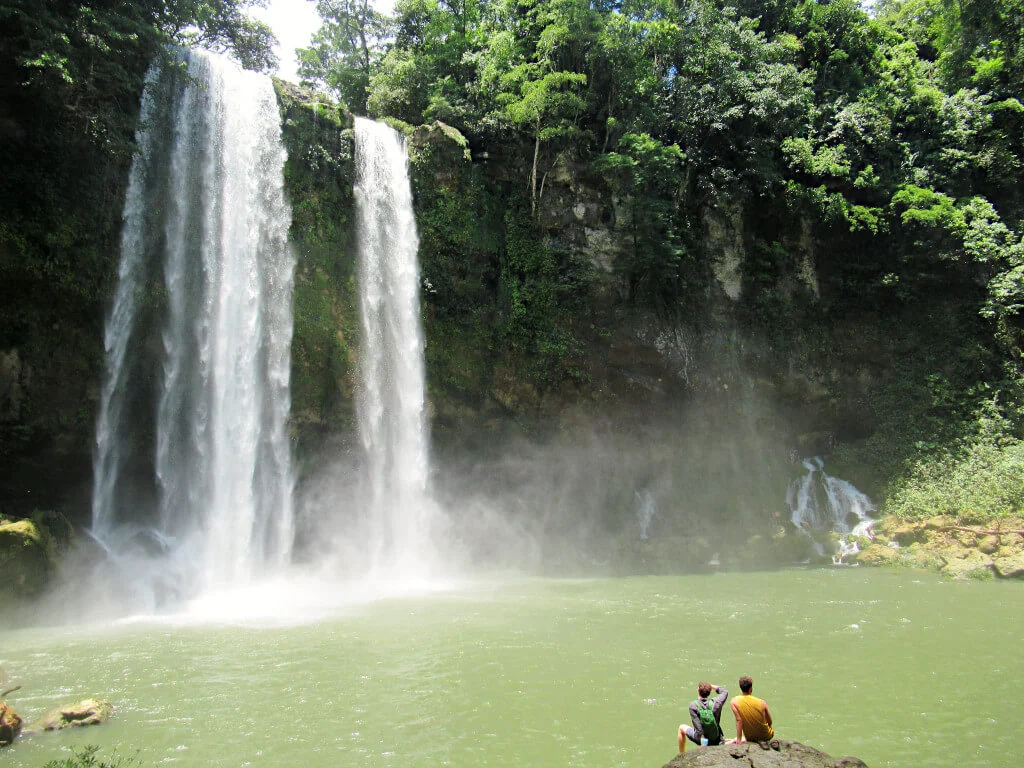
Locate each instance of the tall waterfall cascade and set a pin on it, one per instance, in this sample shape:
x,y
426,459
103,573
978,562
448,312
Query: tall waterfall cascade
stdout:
x,y
192,451
390,400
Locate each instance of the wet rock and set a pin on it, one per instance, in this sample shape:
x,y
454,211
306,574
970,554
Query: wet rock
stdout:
x,y
778,753
10,724
86,712
906,534
989,544
973,566
1011,567
878,554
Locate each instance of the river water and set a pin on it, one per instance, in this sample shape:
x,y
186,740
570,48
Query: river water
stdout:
x,y
898,668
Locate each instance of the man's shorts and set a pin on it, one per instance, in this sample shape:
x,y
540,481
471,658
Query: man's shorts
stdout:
x,y
691,734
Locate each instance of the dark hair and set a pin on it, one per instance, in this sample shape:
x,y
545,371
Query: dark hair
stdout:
x,y
704,689
746,683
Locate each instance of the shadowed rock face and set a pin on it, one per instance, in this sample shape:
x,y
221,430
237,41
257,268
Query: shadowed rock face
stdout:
x,y
779,753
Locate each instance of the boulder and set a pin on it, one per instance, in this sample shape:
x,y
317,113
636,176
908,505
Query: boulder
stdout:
x,y
878,554
778,753
86,712
10,725
989,544
26,559
972,566
1010,567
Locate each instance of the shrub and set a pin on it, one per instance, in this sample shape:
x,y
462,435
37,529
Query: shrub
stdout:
x,y
86,758
982,482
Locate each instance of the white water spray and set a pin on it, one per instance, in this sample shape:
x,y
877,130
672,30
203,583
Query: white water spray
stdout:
x,y
391,396
198,413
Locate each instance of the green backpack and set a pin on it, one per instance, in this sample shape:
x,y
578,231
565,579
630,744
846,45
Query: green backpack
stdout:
x,y
708,724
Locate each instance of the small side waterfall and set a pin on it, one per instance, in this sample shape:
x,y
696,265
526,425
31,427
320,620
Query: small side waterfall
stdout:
x,y
192,442
819,502
646,510
390,401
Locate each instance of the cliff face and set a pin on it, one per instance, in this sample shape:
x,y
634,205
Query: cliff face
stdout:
x,y
319,176
536,330
759,346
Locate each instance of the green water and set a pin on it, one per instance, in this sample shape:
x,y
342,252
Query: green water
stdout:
x,y
900,669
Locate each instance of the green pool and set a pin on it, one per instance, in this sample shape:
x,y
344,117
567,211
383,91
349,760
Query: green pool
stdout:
x,y
898,668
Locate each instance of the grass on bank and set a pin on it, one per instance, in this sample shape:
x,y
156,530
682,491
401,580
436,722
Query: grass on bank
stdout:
x,y
979,483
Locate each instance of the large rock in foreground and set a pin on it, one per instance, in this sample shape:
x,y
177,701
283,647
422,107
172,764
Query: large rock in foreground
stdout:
x,y
779,753
87,712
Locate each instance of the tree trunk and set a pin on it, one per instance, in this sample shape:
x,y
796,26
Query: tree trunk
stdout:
x,y
533,173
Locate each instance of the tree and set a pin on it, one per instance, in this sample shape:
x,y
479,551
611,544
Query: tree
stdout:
x,y
544,102
346,51
532,73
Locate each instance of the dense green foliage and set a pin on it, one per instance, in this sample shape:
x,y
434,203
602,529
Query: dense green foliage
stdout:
x,y
886,147
893,139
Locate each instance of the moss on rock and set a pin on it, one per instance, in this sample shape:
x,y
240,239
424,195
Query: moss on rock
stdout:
x,y
85,712
319,177
1010,566
955,550
26,559
878,554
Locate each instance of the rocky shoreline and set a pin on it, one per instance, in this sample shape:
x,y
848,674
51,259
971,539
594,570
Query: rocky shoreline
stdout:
x,y
988,551
30,550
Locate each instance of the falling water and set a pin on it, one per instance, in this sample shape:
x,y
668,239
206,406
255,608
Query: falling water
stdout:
x,y
818,501
391,397
646,510
192,430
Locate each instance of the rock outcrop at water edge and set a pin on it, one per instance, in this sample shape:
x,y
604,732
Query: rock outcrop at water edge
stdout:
x,y
957,550
778,753
10,725
85,712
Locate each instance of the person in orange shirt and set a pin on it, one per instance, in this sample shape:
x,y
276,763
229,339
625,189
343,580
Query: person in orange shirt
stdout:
x,y
753,719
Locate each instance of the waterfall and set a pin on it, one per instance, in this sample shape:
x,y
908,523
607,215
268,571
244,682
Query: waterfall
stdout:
x,y
646,510
818,501
390,400
192,444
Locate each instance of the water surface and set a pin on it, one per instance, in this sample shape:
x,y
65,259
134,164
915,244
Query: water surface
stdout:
x,y
900,669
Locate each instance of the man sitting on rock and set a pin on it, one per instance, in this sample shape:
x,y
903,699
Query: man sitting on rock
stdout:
x,y
753,720
706,716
